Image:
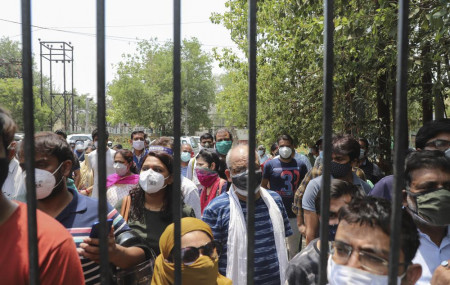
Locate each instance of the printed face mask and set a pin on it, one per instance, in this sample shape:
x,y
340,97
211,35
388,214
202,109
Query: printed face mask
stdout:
x,y
185,156
45,182
223,147
433,207
240,182
340,170
151,181
361,153
138,145
206,176
120,168
285,152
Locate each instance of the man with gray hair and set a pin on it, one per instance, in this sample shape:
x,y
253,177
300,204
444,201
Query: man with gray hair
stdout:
x,y
226,215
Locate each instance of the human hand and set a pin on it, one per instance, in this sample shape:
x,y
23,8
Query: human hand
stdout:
x,y
441,275
90,248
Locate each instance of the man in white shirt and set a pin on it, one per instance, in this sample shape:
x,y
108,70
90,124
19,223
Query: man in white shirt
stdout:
x,y
9,188
93,162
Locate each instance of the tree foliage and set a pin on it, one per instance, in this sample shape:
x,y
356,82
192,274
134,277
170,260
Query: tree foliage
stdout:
x,y
290,66
142,90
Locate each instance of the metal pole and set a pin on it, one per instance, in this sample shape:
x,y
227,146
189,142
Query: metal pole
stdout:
x,y
87,115
40,63
101,151
73,123
401,141
327,131
28,120
64,87
176,134
252,73
51,91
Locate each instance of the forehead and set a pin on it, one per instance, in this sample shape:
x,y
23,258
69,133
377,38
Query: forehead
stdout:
x,y
362,143
440,136
153,161
337,203
186,147
206,140
138,135
222,135
429,175
363,236
284,143
195,239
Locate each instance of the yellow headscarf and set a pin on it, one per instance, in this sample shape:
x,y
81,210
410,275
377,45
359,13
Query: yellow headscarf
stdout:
x,y
203,271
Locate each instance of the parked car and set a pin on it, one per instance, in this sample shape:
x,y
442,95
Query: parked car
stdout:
x,y
192,142
85,138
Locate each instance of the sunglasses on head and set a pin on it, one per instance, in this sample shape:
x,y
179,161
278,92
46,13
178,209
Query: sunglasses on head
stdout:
x,y
190,254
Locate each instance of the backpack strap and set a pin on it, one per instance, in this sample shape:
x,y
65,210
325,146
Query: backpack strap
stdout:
x,y
125,209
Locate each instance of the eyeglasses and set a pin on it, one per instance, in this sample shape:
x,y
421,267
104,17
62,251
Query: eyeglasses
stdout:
x,y
190,254
439,144
342,251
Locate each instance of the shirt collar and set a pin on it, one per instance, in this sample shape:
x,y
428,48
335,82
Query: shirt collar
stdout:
x,y
78,203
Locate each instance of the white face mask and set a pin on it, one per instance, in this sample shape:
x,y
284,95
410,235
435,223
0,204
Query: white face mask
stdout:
x,y
79,147
120,168
151,181
45,182
96,144
285,152
342,274
260,152
138,145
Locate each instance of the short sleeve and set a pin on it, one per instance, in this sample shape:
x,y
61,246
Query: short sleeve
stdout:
x,y
211,217
119,223
268,169
308,201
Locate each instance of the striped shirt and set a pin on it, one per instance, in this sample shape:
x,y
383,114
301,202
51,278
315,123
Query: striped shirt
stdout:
x,y
78,218
217,216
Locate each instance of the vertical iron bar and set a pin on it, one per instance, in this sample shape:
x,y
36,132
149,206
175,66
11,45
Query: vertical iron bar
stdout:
x,y
401,141
177,135
101,150
51,91
327,131
73,116
252,72
42,86
64,86
28,120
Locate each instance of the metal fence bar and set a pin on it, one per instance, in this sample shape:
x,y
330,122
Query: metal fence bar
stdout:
x,y
177,134
252,72
327,133
28,120
101,150
401,139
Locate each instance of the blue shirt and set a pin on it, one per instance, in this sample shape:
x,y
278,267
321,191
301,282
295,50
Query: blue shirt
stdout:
x,y
383,188
139,160
217,216
78,218
284,178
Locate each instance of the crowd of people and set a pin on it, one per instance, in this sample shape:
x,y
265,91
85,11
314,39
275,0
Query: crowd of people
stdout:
x,y
214,191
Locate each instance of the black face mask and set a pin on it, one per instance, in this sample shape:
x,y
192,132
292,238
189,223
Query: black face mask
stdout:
x,y
340,170
4,167
240,180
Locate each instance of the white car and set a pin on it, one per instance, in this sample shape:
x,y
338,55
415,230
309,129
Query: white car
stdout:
x,y
192,142
85,138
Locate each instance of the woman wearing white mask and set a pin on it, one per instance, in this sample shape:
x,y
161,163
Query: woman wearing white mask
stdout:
x,y
150,203
120,183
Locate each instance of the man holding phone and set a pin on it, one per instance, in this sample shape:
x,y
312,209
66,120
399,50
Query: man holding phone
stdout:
x,y
53,161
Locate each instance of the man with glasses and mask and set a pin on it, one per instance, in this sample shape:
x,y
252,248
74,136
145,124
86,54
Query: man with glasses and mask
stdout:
x,y
58,260
360,251
283,175
226,215
427,200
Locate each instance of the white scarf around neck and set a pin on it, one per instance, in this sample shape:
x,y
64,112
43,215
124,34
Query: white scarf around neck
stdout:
x,y
237,238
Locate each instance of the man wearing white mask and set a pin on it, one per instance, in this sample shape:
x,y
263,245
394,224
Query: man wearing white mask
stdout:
x,y
360,251
283,175
10,186
139,151
226,215
77,213
92,164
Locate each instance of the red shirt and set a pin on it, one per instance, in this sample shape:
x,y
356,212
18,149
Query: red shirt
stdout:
x,y
58,259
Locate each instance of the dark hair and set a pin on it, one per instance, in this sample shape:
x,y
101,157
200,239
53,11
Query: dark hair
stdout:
x,y
431,159
210,157
376,212
286,137
138,132
338,189
164,141
137,194
431,129
365,141
128,156
346,145
7,128
51,144
223,130
118,146
273,147
61,133
95,134
206,136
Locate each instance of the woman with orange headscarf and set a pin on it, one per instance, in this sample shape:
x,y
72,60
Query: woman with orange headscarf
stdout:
x,y
199,255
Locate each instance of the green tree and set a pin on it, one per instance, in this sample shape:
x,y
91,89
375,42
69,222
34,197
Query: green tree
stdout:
x,y
10,59
141,92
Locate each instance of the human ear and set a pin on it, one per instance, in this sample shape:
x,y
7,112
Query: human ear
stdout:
x,y
413,273
228,174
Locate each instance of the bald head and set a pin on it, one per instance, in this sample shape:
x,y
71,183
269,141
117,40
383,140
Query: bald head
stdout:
x,y
237,159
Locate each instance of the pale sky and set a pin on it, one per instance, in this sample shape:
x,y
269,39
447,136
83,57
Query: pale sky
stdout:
x,y
126,21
